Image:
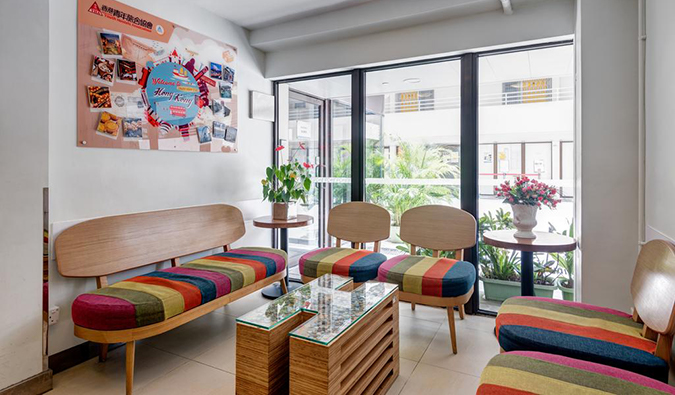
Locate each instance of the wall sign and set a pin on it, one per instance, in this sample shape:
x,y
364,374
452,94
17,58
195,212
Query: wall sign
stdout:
x,y
146,83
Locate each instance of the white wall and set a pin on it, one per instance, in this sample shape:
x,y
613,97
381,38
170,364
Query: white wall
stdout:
x,y
540,20
93,182
607,134
660,136
23,173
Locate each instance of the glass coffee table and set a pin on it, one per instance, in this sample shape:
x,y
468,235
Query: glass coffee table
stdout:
x,y
322,338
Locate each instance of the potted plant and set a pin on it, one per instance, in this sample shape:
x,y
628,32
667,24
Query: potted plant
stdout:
x,y
499,268
526,196
565,262
285,185
546,273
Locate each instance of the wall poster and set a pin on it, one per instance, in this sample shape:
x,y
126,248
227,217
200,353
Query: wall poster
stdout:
x,y
146,83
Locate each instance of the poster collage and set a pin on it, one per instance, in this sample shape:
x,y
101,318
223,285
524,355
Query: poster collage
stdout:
x,y
150,84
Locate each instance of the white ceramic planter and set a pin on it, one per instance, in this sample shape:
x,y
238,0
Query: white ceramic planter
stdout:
x,y
524,219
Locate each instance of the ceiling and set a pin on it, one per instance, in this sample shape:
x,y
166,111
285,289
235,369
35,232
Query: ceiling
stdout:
x,y
256,14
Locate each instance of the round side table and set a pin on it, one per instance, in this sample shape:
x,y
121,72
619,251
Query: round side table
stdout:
x,y
274,290
545,242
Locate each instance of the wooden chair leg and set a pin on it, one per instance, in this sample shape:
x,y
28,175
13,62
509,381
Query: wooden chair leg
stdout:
x,y
284,288
412,306
461,311
103,352
451,322
131,351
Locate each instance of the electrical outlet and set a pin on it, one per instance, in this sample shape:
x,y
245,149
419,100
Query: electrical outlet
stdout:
x,y
53,315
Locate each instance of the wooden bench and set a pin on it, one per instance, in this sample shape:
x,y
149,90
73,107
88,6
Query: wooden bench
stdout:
x,y
159,301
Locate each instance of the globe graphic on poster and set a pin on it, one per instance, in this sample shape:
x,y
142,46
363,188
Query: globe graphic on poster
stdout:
x,y
173,93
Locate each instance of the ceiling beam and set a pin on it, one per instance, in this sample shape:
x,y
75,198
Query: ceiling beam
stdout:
x,y
508,8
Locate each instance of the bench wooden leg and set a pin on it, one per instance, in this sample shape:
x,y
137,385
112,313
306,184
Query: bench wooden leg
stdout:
x,y
284,288
451,322
412,306
131,351
461,311
103,352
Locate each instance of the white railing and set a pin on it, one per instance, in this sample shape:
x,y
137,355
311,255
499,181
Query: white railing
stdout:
x,y
482,182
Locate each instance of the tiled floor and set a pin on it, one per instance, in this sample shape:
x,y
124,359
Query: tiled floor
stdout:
x,y
198,358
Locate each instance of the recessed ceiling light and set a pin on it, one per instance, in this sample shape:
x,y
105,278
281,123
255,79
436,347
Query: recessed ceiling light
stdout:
x,y
412,80
385,83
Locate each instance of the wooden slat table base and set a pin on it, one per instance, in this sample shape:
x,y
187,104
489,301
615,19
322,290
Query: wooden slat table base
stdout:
x,y
262,357
362,360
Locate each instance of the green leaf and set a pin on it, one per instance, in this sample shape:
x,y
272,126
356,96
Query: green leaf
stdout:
x,y
270,173
307,184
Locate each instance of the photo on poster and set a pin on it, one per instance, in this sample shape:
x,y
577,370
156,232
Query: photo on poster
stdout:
x,y
225,89
203,134
126,71
103,70
109,125
135,107
111,44
228,74
133,128
231,135
99,97
219,129
219,108
216,71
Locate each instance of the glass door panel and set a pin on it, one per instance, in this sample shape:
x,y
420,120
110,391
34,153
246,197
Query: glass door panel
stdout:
x,y
412,140
316,129
526,109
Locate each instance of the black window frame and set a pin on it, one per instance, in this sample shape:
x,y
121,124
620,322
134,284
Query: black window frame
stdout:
x,y
469,133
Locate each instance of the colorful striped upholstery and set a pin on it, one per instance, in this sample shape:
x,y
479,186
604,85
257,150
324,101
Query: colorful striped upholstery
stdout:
x,y
522,372
578,330
428,276
160,295
361,265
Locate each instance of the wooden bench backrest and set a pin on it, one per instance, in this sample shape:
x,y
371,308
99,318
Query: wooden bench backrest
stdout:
x,y
439,228
653,286
359,222
108,245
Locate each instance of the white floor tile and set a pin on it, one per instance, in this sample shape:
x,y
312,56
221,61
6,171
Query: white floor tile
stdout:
x,y
474,350
407,367
192,378
415,337
432,380
93,377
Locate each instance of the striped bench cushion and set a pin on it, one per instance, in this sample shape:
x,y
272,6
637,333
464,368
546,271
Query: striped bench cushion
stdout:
x,y
428,276
361,265
578,330
523,372
160,295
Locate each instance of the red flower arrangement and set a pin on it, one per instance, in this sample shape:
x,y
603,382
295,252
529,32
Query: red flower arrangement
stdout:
x,y
528,192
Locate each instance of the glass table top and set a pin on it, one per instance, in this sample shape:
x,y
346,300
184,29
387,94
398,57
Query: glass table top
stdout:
x,y
335,310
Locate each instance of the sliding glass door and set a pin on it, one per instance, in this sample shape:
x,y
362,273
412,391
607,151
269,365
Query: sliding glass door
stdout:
x,y
443,131
412,139
315,128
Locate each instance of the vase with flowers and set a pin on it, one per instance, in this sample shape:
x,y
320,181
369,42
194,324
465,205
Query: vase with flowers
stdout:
x,y
526,196
285,185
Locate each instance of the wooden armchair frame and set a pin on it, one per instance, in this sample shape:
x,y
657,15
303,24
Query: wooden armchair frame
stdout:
x,y
653,292
439,228
109,245
358,223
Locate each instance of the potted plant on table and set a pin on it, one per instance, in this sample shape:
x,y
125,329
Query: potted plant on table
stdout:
x,y
499,268
526,196
565,262
285,185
